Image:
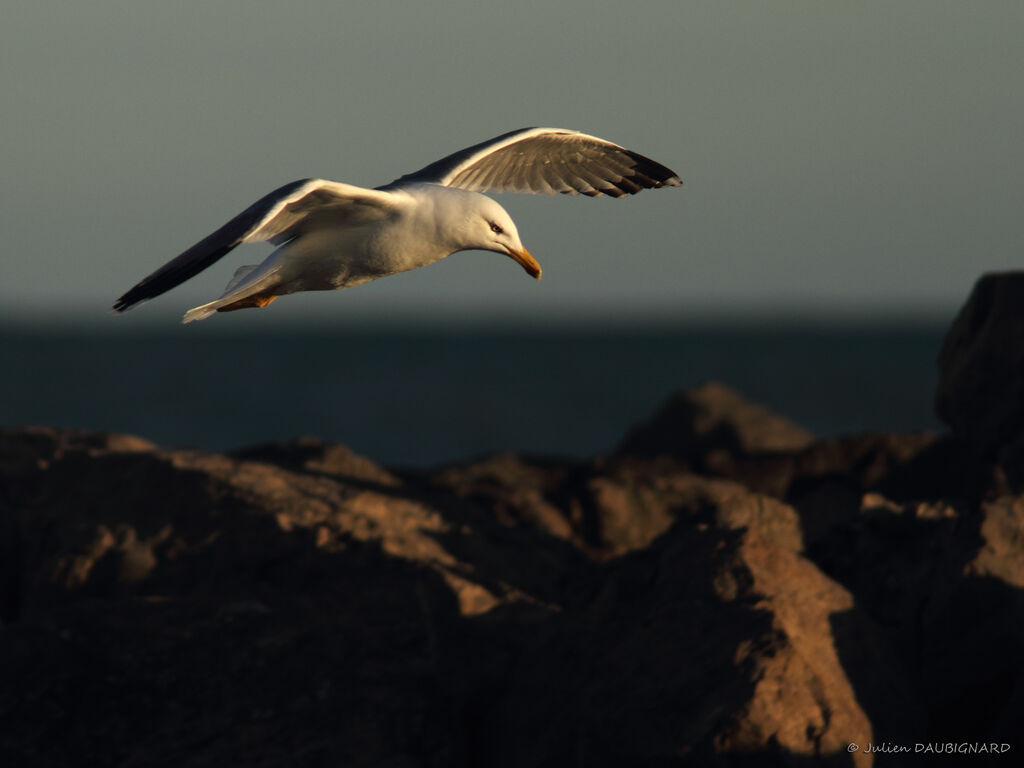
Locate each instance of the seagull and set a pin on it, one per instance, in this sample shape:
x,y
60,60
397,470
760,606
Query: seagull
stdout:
x,y
332,235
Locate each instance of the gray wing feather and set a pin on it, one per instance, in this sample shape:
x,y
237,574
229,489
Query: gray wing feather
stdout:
x,y
277,217
546,161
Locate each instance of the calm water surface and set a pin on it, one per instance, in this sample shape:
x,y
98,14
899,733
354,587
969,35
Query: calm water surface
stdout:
x,y
425,397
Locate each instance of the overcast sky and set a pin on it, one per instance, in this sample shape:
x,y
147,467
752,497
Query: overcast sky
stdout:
x,y
864,156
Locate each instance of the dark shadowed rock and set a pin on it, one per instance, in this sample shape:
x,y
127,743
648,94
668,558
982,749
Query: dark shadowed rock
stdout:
x,y
981,387
866,461
518,490
713,417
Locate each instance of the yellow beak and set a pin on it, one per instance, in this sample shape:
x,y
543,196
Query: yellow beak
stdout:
x,y
526,261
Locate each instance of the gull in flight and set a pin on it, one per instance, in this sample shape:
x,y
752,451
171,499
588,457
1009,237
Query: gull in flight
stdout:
x,y
332,235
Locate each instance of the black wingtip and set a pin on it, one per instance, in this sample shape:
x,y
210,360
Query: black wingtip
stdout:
x,y
131,297
175,272
649,174
123,304
150,287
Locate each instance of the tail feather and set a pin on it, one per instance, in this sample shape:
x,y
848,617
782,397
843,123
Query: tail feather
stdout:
x,y
249,287
200,313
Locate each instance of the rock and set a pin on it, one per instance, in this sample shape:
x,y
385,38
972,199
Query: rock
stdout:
x,y
866,461
312,455
518,490
710,418
712,641
981,365
1002,528
295,602
168,605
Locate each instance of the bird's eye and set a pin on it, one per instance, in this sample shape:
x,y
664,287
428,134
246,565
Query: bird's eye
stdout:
x,y
496,229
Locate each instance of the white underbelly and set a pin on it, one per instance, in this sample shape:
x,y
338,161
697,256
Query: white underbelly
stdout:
x,y
329,259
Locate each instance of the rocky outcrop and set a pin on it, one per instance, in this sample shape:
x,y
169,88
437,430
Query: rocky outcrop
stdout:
x,y
981,390
295,603
710,419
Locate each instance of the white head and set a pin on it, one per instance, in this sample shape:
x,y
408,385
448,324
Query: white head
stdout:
x,y
486,226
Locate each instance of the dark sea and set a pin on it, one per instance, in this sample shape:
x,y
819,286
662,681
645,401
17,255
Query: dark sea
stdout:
x,y
419,397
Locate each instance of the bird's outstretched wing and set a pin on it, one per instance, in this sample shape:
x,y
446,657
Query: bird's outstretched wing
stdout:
x,y
277,217
546,161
